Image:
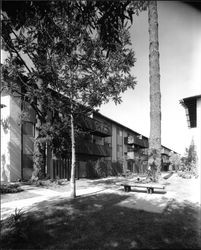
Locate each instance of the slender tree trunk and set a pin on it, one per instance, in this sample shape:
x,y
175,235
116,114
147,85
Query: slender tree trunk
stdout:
x,y
72,180
154,161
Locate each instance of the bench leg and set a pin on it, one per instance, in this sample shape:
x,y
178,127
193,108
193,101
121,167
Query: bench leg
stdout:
x,y
150,190
127,188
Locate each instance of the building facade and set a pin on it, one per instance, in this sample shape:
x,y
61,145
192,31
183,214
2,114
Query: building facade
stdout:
x,y
192,107
108,148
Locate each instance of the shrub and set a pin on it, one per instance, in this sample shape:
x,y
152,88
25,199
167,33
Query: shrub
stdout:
x,y
189,167
101,169
10,188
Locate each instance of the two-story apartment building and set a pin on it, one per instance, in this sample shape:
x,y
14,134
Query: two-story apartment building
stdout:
x,y
108,146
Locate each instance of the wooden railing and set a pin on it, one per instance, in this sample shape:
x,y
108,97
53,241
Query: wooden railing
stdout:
x,y
96,127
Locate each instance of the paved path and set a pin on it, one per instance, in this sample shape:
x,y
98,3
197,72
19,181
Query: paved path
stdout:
x,y
43,194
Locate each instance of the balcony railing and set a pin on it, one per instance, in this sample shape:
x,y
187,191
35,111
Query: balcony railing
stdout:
x,y
134,140
93,149
96,127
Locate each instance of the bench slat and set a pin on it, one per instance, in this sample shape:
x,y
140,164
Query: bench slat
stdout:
x,y
147,185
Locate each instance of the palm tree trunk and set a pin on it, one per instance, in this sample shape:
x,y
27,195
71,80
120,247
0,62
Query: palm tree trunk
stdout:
x,y
72,180
154,153
39,154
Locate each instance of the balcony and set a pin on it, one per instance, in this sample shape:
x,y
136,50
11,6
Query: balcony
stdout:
x,y
92,149
96,127
134,140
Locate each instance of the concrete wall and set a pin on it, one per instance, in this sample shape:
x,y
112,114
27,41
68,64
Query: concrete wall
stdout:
x,y
10,139
5,139
15,139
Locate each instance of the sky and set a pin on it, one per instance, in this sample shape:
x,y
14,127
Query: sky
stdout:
x,y
180,70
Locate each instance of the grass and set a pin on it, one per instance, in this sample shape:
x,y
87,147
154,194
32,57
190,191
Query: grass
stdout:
x,y
102,222
108,220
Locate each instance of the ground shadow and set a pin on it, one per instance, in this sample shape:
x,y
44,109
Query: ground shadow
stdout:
x,y
103,221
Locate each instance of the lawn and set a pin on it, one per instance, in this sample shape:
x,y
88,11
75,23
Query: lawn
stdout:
x,y
107,220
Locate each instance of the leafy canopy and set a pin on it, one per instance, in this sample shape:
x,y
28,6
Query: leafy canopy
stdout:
x,y
67,50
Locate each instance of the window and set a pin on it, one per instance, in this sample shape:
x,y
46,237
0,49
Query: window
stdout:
x,y
28,128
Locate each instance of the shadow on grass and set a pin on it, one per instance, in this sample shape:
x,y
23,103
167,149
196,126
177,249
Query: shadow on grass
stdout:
x,y
102,222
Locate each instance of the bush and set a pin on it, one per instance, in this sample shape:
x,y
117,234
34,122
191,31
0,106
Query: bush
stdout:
x,y
10,188
188,171
101,169
189,163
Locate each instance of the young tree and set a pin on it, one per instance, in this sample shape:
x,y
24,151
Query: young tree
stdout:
x,y
154,160
89,77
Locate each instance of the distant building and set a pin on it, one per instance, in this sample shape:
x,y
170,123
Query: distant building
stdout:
x,y
192,107
108,148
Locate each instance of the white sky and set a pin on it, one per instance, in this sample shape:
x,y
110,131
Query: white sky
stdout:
x,y
180,69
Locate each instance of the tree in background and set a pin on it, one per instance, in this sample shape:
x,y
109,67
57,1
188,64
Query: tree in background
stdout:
x,y
154,152
189,162
175,161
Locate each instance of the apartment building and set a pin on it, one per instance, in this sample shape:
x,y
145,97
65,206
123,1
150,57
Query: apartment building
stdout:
x,y
107,147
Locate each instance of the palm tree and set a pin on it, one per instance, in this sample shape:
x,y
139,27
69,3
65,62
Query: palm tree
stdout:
x,y
154,152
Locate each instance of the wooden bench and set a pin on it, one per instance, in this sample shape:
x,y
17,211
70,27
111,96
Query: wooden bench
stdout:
x,y
149,186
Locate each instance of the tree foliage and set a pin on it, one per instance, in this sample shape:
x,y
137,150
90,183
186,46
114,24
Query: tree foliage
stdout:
x,y
175,160
46,39
64,55
189,162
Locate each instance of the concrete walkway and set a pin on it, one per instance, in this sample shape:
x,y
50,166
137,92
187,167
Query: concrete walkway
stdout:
x,y
42,194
